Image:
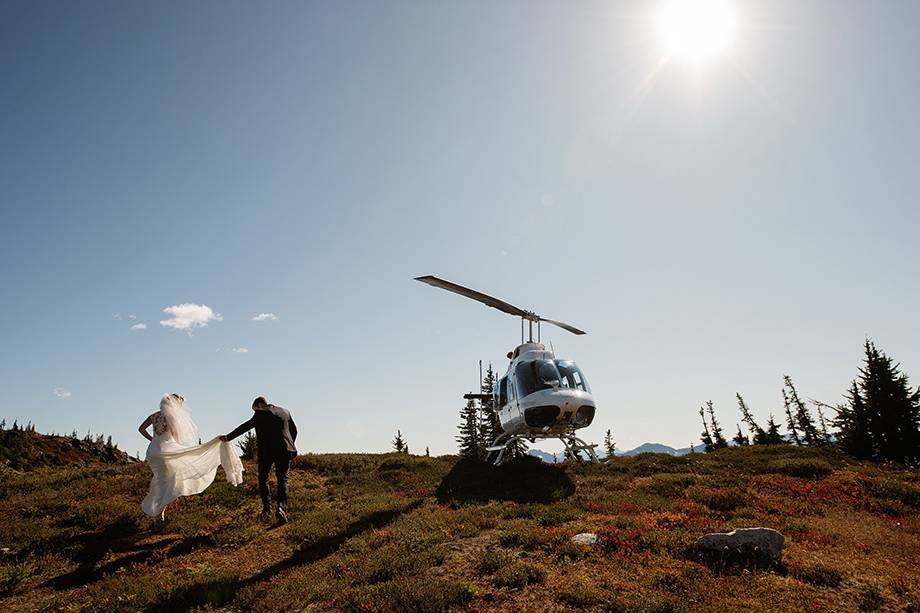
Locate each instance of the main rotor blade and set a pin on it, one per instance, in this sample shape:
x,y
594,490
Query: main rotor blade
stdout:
x,y
487,300
564,326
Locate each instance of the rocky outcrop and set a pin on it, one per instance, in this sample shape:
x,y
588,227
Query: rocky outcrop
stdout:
x,y
587,538
744,547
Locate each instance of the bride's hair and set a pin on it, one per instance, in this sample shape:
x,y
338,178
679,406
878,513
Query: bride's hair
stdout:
x,y
180,424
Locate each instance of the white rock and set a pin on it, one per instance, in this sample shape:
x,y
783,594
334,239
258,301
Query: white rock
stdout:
x,y
586,538
763,543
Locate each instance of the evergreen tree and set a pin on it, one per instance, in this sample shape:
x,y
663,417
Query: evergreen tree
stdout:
x,y
706,437
609,445
790,420
822,424
517,449
468,438
773,435
108,442
15,425
890,410
740,438
3,424
717,438
853,425
803,419
399,444
489,426
427,453
248,446
760,436
406,449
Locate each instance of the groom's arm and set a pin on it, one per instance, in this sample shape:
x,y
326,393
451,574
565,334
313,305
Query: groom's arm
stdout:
x,y
246,426
292,427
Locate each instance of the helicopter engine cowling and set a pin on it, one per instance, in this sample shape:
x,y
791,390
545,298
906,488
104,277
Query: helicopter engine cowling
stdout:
x,y
550,412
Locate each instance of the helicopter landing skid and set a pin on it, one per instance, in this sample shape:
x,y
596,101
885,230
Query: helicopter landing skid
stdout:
x,y
495,454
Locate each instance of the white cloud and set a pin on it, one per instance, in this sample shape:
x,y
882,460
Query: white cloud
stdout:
x,y
138,327
116,315
132,316
240,350
60,392
189,316
265,317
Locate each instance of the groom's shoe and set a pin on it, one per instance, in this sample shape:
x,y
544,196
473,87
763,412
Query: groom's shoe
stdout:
x,y
282,517
265,516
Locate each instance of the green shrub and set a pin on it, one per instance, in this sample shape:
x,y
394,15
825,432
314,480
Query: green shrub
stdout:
x,y
515,537
555,515
724,500
416,595
892,489
519,574
670,485
804,468
14,575
869,598
491,561
580,596
817,574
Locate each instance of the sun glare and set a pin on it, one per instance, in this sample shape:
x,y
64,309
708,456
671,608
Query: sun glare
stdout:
x,y
696,31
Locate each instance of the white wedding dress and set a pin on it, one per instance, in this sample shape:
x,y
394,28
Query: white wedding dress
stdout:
x,y
183,470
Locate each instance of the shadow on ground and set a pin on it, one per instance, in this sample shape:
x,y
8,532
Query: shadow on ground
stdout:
x,y
219,593
524,479
94,547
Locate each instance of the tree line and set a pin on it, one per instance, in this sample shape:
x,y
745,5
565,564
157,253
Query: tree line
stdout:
x,y
879,420
480,425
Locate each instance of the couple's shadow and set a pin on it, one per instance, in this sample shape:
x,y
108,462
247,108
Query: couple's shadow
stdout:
x,y
119,538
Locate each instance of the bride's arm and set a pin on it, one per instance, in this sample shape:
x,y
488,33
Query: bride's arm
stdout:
x,y
143,428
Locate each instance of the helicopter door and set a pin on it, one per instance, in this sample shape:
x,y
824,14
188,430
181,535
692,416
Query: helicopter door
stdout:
x,y
514,410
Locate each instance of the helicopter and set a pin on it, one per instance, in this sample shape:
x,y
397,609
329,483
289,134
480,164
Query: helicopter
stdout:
x,y
540,396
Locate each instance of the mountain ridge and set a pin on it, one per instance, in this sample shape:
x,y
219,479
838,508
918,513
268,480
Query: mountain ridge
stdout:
x,y
601,454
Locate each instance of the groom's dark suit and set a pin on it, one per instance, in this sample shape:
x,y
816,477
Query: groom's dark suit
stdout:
x,y
275,434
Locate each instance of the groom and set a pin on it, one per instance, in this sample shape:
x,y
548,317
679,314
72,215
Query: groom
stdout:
x,y
275,434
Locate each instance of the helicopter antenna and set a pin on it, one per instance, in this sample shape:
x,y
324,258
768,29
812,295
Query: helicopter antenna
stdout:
x,y
501,305
552,349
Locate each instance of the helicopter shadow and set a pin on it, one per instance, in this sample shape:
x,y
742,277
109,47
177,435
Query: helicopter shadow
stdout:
x,y
524,479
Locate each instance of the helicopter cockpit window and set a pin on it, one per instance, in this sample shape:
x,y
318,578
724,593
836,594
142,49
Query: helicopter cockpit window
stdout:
x,y
571,377
535,376
503,392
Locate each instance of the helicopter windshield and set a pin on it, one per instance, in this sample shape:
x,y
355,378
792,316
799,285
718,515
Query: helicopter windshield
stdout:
x,y
535,376
571,377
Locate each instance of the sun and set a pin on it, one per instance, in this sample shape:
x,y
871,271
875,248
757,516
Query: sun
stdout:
x,y
696,31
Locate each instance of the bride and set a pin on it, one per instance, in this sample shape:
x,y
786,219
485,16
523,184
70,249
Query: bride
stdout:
x,y
181,465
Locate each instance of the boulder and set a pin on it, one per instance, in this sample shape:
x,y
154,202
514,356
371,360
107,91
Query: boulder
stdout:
x,y
745,547
586,538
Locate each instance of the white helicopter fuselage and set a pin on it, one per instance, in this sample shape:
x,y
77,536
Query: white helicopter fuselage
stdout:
x,y
541,396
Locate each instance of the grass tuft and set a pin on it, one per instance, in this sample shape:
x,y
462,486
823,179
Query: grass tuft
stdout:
x,y
519,574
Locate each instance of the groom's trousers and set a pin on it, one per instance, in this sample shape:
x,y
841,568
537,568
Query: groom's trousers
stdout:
x,y
281,462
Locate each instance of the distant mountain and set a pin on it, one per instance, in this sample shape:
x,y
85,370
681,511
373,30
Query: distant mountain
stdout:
x,y
660,448
643,448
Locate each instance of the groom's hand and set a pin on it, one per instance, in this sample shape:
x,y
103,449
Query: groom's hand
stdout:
x,y
223,437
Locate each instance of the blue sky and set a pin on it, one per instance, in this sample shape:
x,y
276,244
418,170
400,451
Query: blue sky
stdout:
x,y
711,227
